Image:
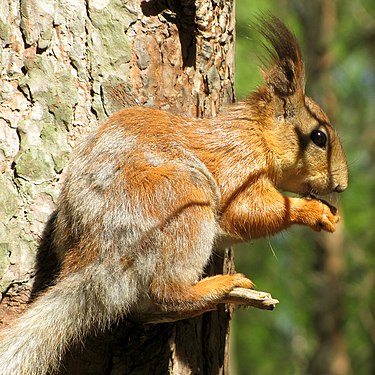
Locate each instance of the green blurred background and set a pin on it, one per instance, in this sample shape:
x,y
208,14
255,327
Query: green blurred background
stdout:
x,y
325,322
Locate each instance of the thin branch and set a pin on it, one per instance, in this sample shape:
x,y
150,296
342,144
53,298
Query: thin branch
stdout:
x,y
251,298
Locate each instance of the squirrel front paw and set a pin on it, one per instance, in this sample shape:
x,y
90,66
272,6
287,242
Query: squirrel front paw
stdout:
x,y
321,215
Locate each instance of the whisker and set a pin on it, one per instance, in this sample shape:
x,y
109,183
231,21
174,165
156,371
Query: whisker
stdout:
x,y
271,247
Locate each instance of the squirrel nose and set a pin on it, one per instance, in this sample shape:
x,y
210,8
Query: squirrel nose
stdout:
x,y
340,188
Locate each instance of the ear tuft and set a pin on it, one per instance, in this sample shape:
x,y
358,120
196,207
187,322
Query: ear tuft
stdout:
x,y
285,72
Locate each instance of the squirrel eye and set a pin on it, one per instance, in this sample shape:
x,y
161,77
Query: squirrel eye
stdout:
x,y
319,138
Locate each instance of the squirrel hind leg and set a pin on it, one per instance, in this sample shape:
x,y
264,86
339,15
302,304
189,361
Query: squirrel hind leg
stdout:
x,y
182,246
182,301
185,245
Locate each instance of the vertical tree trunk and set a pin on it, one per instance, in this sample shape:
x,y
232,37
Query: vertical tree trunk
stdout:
x,y
65,67
331,356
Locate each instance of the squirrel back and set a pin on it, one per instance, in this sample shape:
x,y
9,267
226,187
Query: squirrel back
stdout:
x,y
148,195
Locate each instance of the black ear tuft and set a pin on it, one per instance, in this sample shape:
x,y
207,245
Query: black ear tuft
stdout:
x,y
286,70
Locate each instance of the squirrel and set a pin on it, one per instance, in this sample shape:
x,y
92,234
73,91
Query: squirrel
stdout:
x,y
149,193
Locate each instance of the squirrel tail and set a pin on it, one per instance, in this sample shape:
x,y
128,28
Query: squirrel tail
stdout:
x,y
77,305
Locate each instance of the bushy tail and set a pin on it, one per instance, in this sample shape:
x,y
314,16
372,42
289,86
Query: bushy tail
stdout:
x,y
65,313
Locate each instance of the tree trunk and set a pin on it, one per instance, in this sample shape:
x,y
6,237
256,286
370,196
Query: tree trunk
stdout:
x,y
65,67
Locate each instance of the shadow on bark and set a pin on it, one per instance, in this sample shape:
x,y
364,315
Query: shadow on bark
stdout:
x,y
182,14
46,262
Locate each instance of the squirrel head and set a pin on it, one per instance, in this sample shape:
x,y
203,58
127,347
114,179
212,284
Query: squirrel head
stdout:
x,y
308,153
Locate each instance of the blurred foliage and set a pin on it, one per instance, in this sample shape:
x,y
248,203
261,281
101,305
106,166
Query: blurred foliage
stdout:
x,y
284,341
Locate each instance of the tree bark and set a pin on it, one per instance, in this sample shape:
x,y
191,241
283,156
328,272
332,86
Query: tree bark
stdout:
x,y
65,67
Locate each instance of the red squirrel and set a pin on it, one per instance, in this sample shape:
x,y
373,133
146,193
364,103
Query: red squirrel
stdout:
x,y
149,194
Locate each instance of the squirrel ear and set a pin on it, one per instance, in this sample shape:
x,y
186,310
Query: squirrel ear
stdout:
x,y
285,72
